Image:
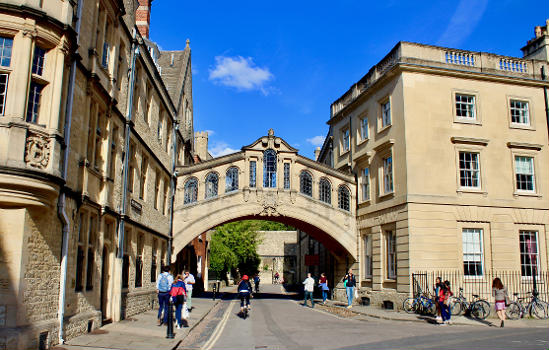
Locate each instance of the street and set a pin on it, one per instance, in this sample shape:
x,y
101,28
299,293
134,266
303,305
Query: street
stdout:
x,y
276,321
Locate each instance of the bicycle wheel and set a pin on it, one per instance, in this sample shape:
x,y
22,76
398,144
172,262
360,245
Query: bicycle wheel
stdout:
x,y
409,305
537,310
480,309
431,308
513,311
455,306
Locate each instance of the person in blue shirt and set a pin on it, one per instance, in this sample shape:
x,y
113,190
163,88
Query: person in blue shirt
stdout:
x,y
244,290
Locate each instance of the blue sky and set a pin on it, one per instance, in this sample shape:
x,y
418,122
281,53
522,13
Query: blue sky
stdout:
x,y
260,65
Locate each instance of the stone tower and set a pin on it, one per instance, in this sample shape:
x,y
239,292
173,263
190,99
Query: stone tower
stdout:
x,y
538,47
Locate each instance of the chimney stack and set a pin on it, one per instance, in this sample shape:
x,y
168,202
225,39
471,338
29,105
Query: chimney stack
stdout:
x,y
143,17
317,153
201,144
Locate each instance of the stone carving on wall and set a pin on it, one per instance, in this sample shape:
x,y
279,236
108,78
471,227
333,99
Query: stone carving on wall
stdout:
x,y
270,204
37,150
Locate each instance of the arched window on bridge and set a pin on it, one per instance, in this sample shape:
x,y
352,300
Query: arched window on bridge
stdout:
x,y
212,181
306,183
231,180
344,198
269,168
191,191
325,191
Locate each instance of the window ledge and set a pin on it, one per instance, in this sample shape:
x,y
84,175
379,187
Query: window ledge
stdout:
x,y
526,194
471,190
466,121
389,280
387,195
343,152
39,79
384,128
365,201
363,141
522,127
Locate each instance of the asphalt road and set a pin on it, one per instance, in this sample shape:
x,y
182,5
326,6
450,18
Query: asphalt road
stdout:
x,y
277,322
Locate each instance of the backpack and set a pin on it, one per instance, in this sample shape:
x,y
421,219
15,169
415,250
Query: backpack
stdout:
x,y
164,283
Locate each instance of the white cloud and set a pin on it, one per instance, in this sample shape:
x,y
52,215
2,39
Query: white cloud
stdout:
x,y
210,132
221,148
317,140
463,22
241,73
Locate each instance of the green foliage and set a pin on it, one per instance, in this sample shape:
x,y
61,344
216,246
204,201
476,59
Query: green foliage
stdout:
x,y
272,226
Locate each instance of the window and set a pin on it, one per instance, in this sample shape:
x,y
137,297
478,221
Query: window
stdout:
x,y
524,173
386,114
92,234
345,140
131,168
519,112
286,176
159,126
80,254
344,198
38,60
231,180
368,268
112,157
98,142
190,194
33,107
211,185
5,51
253,176
529,254
157,190
469,169
126,260
139,262
306,183
325,191
105,56
390,239
269,169
3,92
465,106
143,182
388,174
166,202
366,184
154,259
364,128
472,252
148,102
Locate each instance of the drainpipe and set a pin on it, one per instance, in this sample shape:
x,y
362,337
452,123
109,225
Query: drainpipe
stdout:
x,y
61,204
546,95
173,182
127,155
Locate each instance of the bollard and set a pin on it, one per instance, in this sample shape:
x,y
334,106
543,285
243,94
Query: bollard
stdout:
x,y
169,328
214,290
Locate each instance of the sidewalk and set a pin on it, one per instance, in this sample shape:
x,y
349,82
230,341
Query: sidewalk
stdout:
x,y
141,332
392,315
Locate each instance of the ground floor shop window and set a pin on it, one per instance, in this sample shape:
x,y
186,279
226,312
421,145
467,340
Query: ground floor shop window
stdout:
x,y
528,241
472,251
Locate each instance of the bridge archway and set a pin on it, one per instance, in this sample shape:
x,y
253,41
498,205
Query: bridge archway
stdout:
x,y
263,181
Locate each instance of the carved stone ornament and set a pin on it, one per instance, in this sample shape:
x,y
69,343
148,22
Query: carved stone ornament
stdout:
x,y
37,151
270,202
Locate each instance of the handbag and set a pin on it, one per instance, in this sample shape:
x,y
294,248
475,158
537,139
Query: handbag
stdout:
x,y
507,300
185,314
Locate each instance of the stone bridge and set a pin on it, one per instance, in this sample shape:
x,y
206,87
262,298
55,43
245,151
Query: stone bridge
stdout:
x,y
267,180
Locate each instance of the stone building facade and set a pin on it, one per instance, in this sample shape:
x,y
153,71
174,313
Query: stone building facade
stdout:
x,y
449,148
94,118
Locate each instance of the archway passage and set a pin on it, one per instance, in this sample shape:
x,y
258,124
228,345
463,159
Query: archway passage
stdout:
x,y
265,181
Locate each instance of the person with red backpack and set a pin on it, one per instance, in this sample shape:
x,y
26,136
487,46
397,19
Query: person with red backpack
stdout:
x,y
178,294
444,301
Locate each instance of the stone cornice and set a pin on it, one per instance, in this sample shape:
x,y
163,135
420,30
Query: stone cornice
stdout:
x,y
524,145
325,168
469,140
212,163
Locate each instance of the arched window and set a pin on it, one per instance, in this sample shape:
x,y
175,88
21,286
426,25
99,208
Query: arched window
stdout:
x,y
306,183
269,168
191,191
344,198
325,191
231,180
212,181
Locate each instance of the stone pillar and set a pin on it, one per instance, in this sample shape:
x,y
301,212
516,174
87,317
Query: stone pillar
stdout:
x,y
57,86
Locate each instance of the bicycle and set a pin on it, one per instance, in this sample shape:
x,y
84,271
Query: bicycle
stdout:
x,y
420,304
478,308
536,308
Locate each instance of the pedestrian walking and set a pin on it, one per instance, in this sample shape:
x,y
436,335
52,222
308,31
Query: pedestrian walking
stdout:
x,y
189,283
323,283
163,286
256,282
350,283
499,292
178,294
436,288
309,287
444,302
277,276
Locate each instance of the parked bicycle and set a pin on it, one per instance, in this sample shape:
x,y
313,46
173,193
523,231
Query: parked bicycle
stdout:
x,y
478,308
420,304
535,307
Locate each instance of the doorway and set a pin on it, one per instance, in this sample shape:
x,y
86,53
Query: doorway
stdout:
x,y
105,284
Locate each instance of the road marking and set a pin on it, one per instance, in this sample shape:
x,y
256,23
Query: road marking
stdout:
x,y
220,327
